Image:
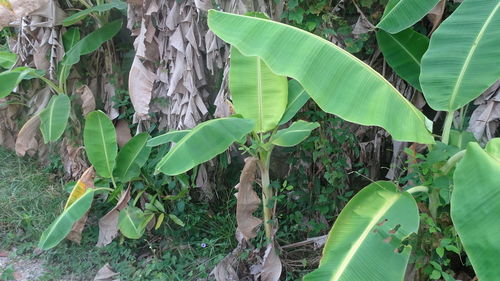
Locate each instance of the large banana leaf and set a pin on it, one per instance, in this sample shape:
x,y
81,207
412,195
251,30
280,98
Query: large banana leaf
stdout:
x,y
257,92
403,52
401,14
364,241
297,97
54,118
132,157
60,228
475,207
337,81
462,59
91,42
99,138
204,142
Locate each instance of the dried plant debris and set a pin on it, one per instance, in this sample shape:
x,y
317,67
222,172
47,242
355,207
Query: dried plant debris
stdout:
x,y
485,119
108,224
177,85
247,201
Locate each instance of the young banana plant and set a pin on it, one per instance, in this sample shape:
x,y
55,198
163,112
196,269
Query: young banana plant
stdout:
x,y
263,101
110,167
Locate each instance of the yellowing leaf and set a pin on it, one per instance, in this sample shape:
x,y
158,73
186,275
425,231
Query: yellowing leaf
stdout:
x,y
86,181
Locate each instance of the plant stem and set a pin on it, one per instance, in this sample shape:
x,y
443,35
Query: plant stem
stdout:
x,y
419,188
452,162
267,192
447,127
113,181
50,84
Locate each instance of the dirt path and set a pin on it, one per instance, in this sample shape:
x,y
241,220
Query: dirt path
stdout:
x,y
20,268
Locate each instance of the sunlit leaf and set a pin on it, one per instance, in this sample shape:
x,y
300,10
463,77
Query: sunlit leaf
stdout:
x,y
257,92
364,241
336,80
461,62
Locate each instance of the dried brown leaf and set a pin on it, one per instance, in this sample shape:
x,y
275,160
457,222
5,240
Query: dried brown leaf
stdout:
x,y
75,234
435,16
271,265
108,224
26,141
122,132
247,200
88,100
19,9
140,86
106,274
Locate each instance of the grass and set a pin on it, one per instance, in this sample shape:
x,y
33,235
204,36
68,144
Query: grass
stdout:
x,y
29,200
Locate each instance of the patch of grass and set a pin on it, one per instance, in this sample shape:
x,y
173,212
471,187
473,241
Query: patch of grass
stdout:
x,y
29,200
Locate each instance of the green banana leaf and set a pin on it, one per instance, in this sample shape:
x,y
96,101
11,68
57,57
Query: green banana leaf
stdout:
x,y
297,97
132,222
98,8
91,42
8,81
99,138
70,38
401,14
132,157
364,241
462,59
203,143
172,136
257,92
336,80
403,52
60,228
7,59
475,206
54,118
295,134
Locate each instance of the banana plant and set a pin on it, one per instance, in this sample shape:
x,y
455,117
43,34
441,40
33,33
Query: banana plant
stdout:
x,y
306,58
262,101
54,118
463,77
119,168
